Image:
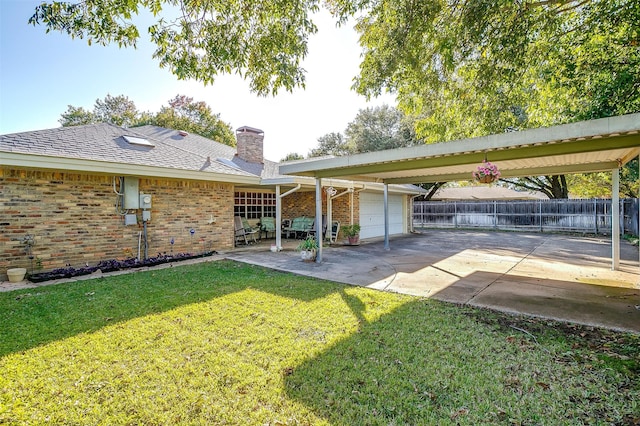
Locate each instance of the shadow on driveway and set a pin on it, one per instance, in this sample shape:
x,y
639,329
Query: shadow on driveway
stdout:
x,y
554,276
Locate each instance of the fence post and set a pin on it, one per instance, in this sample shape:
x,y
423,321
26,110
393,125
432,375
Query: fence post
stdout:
x,y
455,215
621,217
540,214
495,214
595,214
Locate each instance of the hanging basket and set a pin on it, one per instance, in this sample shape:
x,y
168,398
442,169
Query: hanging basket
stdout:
x,y
486,172
486,179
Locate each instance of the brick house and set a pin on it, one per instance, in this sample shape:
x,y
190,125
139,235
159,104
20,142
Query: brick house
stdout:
x,y
89,193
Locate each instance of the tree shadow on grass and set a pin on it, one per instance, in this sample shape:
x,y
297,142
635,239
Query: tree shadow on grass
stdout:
x,y
37,316
410,367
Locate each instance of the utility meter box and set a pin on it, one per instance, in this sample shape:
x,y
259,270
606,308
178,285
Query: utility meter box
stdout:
x,y
131,194
145,201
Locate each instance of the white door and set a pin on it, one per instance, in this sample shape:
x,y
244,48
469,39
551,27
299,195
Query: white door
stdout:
x,y
372,214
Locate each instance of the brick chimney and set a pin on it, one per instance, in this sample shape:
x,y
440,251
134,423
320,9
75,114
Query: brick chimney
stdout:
x,y
249,144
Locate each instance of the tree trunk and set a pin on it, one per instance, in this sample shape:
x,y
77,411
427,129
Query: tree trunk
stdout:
x,y
558,186
432,188
552,186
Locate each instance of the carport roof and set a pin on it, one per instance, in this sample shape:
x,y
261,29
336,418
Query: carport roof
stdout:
x,y
586,146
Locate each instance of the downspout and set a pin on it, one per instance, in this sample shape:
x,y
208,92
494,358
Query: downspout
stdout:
x,y
330,207
412,229
319,219
386,216
351,200
615,219
279,198
278,219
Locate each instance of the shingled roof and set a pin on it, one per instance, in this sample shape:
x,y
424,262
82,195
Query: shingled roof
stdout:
x,y
208,148
103,148
106,143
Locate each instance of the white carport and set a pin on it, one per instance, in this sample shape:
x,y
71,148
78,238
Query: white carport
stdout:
x,y
587,146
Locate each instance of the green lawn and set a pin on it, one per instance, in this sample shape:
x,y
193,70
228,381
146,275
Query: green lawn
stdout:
x,y
225,343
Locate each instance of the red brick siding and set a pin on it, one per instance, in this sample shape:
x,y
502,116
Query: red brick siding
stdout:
x,y
73,219
303,203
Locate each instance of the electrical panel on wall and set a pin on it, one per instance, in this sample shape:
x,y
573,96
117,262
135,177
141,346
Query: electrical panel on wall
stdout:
x,y
131,194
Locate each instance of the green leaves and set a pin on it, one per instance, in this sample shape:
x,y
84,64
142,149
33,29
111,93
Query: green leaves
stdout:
x,y
263,41
181,114
196,117
99,21
480,67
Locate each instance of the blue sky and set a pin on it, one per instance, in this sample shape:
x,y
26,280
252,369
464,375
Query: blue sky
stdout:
x,y
41,74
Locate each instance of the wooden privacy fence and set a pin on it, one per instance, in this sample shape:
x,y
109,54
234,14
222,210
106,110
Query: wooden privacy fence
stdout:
x,y
592,216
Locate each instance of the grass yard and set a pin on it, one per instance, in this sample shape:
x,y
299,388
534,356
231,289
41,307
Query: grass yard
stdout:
x,y
222,343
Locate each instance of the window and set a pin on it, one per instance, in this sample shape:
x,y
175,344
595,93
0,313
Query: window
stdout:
x,y
254,205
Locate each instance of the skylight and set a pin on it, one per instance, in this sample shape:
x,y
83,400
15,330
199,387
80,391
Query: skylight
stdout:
x,y
133,140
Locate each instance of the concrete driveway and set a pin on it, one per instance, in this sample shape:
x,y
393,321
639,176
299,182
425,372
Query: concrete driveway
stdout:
x,y
567,278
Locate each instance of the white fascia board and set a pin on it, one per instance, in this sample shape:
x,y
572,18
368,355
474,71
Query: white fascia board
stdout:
x,y
310,181
585,129
31,161
394,188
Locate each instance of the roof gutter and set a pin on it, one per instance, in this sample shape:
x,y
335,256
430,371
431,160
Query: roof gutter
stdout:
x,y
30,161
340,183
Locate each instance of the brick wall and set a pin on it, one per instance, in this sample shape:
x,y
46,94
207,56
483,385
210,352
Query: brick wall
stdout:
x,y
303,203
73,220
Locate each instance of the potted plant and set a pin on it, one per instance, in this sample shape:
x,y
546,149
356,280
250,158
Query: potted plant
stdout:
x,y
486,172
352,232
308,249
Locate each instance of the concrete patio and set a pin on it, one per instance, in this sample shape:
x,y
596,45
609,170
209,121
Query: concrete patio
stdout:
x,y
568,278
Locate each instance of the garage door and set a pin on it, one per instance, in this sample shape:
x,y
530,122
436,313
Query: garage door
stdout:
x,y
372,215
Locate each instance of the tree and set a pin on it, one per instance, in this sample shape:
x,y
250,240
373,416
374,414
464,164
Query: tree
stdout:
x,y
118,110
76,116
181,114
292,156
264,41
196,117
460,68
598,185
373,129
473,68
379,128
331,144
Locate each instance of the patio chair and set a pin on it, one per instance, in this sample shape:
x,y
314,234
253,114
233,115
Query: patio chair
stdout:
x,y
267,225
250,230
296,228
286,223
335,230
242,230
312,231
